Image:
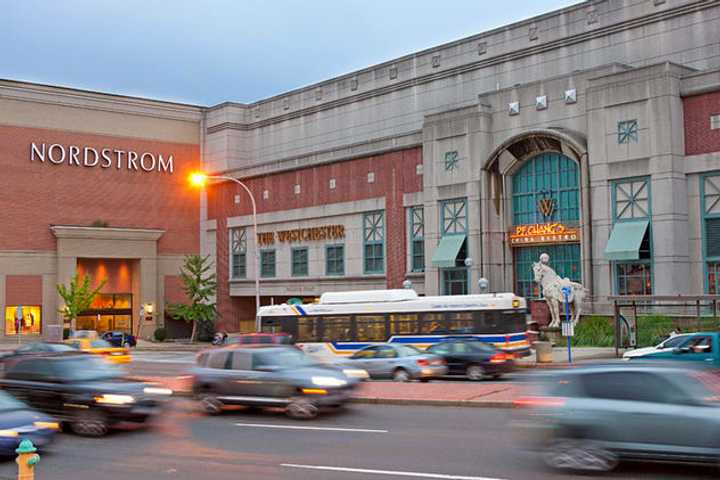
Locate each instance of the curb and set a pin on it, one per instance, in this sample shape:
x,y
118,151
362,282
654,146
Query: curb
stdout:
x,y
429,403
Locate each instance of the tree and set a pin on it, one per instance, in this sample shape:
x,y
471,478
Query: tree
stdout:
x,y
77,296
200,288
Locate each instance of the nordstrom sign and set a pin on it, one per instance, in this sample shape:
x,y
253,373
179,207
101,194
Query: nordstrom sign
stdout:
x,y
73,155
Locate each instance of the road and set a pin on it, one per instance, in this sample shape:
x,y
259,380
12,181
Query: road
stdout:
x,y
363,442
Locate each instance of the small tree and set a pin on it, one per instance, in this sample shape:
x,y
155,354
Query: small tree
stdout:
x,y
200,288
78,296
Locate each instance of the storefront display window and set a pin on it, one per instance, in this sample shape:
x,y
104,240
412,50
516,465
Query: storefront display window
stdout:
x,y
26,317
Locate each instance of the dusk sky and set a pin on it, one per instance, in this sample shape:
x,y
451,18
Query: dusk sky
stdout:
x,y
207,52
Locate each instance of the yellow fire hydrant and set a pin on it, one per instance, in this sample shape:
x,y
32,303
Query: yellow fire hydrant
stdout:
x,y
26,460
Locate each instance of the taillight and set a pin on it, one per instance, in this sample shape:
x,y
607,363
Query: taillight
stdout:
x,y
498,358
422,362
538,402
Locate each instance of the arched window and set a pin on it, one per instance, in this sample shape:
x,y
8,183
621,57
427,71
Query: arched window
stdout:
x,y
546,189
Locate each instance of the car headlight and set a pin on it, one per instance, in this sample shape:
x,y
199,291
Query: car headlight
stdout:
x,y
328,382
112,399
356,373
8,433
157,391
48,425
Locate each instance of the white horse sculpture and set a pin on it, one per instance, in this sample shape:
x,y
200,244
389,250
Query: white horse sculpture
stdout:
x,y
552,285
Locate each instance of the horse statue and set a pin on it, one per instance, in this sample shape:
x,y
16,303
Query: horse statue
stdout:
x,y
552,286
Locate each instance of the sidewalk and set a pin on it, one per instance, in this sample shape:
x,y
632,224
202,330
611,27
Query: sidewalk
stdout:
x,y
560,356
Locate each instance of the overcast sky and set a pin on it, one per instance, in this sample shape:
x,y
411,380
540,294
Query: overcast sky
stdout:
x,y
209,51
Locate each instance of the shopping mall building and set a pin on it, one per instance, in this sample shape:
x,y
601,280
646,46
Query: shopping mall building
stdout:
x,y
591,133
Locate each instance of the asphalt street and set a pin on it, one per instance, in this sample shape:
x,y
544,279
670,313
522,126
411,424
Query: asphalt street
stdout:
x,y
361,442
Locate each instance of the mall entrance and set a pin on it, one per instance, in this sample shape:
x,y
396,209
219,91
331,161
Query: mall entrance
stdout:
x,y
109,311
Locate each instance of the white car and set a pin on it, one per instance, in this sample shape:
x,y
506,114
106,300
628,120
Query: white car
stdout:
x,y
672,342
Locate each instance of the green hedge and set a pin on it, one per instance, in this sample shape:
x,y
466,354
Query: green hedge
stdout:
x,y
599,331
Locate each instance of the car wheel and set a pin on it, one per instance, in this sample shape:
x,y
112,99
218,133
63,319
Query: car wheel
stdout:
x,y
575,455
302,409
474,372
210,404
90,423
401,375
127,345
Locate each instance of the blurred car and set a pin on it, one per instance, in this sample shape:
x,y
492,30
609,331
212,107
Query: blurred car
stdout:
x,y
676,341
119,339
35,348
472,358
102,348
268,376
82,391
19,422
258,338
402,363
593,417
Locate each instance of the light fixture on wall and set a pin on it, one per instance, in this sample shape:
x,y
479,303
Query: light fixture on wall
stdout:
x,y
149,307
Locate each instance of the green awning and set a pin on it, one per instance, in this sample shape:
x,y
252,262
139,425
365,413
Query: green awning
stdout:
x,y
447,251
625,240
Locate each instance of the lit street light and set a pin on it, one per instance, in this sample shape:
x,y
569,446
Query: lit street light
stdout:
x,y
199,179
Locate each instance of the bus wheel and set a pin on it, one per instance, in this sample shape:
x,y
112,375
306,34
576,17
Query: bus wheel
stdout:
x,y
401,375
474,372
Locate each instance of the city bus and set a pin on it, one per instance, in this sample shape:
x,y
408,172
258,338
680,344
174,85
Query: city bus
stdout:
x,y
345,322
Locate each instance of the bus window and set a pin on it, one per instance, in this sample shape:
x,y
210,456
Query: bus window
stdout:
x,y
307,329
404,324
433,323
461,322
370,328
336,329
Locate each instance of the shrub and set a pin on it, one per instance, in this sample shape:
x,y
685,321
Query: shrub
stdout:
x,y
160,334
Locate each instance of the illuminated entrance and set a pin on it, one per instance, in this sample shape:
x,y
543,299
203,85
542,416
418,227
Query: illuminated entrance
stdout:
x,y
111,311
112,308
545,216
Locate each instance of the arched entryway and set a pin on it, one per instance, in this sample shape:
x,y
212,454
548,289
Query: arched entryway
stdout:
x,y
545,191
538,185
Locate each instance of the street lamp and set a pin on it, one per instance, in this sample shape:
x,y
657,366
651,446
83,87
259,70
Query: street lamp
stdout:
x,y
199,179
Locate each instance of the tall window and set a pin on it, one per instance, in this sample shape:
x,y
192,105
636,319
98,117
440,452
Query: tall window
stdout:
x,y
631,202
550,181
299,262
454,221
335,260
454,216
374,242
417,234
238,253
710,191
267,263
564,259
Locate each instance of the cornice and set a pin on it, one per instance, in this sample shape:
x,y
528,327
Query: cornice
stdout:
x,y
105,233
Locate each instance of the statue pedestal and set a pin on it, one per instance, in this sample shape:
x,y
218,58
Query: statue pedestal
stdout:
x,y
553,335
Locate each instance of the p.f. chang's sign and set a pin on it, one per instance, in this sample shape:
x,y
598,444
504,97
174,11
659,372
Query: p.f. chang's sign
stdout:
x,y
543,233
329,232
89,157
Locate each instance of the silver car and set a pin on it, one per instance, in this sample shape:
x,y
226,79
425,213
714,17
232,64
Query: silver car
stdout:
x,y
593,417
268,376
402,363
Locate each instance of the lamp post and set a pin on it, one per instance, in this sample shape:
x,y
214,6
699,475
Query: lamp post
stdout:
x,y
199,180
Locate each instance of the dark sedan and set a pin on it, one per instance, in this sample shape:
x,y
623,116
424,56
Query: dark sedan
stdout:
x,y
82,391
19,422
119,339
269,376
473,358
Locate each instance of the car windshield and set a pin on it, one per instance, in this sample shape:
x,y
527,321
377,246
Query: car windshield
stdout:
x,y
408,351
8,402
84,368
479,346
282,358
676,341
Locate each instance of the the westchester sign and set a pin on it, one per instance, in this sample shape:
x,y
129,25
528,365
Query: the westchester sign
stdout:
x,y
84,156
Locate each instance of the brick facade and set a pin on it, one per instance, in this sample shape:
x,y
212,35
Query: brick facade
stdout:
x,y
394,175
36,195
699,138
23,290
